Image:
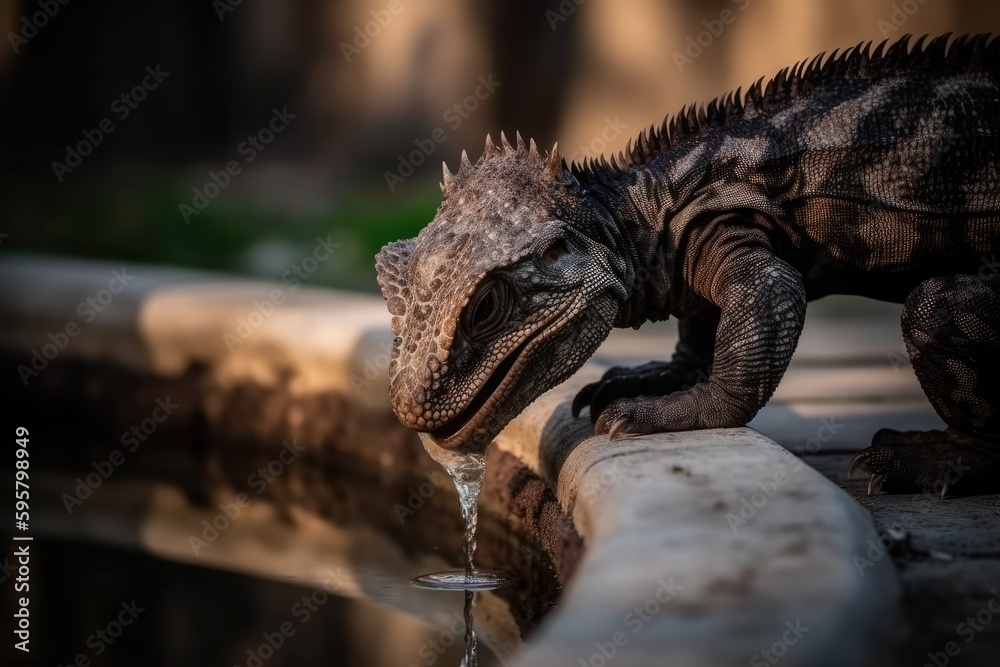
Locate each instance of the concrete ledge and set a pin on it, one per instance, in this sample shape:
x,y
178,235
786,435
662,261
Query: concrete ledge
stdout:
x,y
704,548
753,539
249,365
708,548
164,320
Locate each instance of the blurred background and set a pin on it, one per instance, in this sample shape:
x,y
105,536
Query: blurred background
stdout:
x,y
369,97
231,135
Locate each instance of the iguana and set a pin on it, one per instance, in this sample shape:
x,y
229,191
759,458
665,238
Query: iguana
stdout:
x,y
873,172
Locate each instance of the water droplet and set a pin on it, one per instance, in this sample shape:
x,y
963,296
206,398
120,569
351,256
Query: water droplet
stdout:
x,y
467,472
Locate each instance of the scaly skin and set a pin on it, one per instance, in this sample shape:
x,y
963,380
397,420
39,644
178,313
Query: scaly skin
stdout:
x,y
870,173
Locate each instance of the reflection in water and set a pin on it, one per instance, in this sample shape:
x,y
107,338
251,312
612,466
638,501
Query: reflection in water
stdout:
x,y
458,580
469,581
468,472
368,511
207,617
470,659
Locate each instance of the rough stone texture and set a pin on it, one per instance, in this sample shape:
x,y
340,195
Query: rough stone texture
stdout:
x,y
647,508
666,509
310,371
947,551
849,378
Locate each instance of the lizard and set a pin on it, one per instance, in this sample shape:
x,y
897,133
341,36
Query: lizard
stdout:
x,y
871,171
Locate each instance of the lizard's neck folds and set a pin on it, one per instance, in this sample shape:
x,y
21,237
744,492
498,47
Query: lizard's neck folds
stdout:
x,y
636,204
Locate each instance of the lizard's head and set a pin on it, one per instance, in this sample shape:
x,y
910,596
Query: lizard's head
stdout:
x,y
501,297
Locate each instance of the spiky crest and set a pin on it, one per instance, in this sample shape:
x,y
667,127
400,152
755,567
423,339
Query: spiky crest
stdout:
x,y
490,148
790,84
553,163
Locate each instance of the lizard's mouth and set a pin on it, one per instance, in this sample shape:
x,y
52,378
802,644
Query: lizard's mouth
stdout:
x,y
453,434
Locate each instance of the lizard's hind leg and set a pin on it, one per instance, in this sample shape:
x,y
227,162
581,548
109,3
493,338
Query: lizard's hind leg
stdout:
x,y
952,331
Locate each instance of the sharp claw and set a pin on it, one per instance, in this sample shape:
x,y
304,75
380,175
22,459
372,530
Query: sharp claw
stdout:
x,y
582,400
944,491
616,428
875,483
599,425
856,463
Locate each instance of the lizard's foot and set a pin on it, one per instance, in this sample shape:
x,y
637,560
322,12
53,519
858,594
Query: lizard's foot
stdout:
x,y
945,463
655,378
630,416
697,408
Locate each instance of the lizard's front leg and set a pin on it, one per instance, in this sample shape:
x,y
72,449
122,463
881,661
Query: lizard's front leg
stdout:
x,y
691,363
762,302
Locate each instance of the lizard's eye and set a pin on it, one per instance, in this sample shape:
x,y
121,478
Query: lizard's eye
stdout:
x,y
488,309
556,249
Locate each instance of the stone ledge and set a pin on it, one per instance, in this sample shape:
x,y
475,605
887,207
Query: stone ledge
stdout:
x,y
751,536
656,512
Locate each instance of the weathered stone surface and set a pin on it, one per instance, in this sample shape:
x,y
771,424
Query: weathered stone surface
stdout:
x,y
744,536
659,515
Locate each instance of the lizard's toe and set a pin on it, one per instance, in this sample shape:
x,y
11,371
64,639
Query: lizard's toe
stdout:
x,y
614,421
586,396
875,483
630,416
655,378
600,395
583,398
857,463
933,462
617,428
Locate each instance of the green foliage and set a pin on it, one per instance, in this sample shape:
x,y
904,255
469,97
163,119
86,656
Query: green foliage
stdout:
x,y
143,224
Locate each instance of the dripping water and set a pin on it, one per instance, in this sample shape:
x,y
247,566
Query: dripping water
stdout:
x,y
467,471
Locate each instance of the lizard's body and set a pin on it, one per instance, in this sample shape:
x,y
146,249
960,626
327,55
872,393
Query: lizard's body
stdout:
x,y
876,175
876,183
